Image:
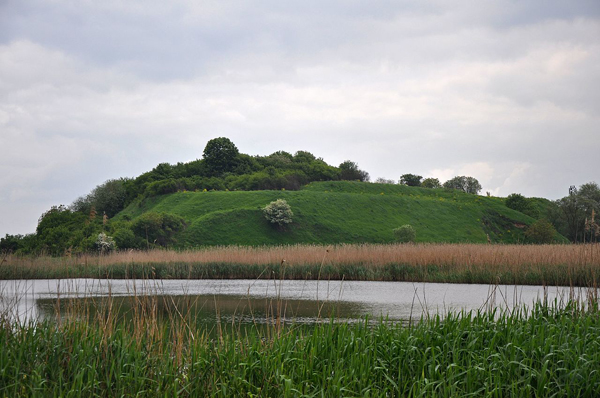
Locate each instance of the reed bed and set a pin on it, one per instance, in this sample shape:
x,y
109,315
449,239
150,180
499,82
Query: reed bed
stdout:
x,y
547,352
575,265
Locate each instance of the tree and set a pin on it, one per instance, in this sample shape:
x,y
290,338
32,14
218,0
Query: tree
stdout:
x,y
577,210
109,197
412,180
433,183
278,212
518,202
463,183
405,234
220,155
349,171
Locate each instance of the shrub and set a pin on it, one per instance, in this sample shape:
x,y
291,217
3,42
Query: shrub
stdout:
x,y
518,202
278,212
124,238
105,243
405,234
540,232
159,228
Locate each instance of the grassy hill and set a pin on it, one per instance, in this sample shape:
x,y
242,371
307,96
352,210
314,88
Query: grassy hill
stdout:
x,y
337,212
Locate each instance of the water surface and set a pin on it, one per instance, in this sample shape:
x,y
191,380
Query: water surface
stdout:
x,y
260,301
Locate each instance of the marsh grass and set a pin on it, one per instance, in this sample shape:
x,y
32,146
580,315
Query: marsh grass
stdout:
x,y
548,351
565,265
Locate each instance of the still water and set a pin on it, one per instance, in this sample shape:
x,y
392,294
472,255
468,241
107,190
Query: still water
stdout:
x,y
246,301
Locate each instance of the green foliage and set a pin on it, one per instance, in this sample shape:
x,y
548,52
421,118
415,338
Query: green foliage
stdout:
x,y
405,234
518,202
540,232
109,197
544,352
125,238
60,230
412,180
349,171
465,184
574,213
278,212
105,243
432,183
158,228
220,156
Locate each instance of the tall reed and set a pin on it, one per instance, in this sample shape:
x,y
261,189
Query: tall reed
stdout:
x,y
545,352
576,265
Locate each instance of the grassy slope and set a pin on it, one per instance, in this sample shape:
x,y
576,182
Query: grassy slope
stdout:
x,y
335,212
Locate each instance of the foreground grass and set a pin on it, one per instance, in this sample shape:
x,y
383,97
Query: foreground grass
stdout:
x,y
546,352
566,265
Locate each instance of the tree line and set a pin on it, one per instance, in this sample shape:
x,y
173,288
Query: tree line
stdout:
x,y
86,225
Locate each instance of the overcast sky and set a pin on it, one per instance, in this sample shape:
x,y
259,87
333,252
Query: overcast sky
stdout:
x,y
505,91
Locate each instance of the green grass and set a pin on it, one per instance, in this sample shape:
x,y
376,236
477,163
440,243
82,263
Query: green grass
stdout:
x,y
338,212
547,352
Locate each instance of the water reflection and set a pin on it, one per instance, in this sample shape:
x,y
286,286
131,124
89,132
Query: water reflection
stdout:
x,y
252,301
208,309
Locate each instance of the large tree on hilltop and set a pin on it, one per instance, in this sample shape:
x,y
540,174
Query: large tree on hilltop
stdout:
x,y
349,171
220,155
464,183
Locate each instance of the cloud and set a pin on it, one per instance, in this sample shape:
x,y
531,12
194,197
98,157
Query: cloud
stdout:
x,y
507,92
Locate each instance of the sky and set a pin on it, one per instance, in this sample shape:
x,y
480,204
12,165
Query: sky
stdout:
x,y
505,91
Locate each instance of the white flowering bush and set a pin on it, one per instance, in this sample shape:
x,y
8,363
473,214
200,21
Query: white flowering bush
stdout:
x,y
278,212
405,234
105,243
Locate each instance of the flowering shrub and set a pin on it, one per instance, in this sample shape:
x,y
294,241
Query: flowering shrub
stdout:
x,y
278,212
405,233
105,243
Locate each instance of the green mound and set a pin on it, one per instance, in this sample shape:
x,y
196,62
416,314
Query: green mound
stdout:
x,y
337,212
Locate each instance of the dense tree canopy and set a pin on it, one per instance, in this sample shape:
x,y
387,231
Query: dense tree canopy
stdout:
x,y
412,180
220,156
575,216
464,183
349,171
222,167
431,183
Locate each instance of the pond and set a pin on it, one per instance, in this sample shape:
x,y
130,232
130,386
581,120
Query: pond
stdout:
x,y
260,301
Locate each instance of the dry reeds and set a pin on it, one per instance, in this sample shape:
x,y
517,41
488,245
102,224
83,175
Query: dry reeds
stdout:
x,y
471,263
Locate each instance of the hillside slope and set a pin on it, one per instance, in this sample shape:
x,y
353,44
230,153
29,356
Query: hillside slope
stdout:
x,y
337,212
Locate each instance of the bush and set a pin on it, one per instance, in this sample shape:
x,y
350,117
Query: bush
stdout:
x,y
278,212
518,202
124,238
105,243
159,228
540,232
405,234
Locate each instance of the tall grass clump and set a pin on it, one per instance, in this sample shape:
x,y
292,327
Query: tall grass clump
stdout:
x,y
549,351
567,265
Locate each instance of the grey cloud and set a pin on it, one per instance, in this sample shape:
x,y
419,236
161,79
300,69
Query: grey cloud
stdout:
x,y
97,90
